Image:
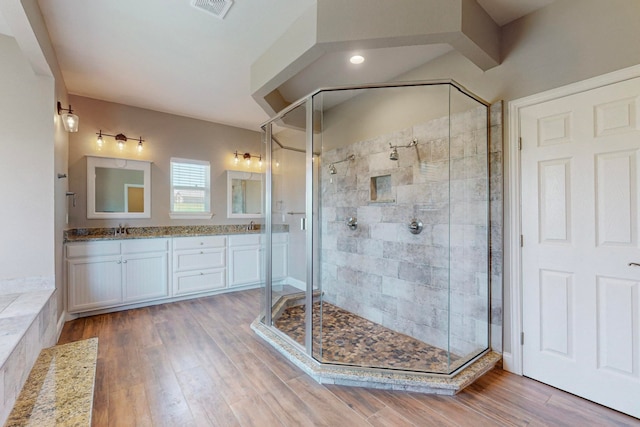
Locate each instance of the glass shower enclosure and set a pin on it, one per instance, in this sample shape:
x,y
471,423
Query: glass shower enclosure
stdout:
x,y
376,226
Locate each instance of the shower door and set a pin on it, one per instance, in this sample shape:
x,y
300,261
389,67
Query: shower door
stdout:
x,y
289,224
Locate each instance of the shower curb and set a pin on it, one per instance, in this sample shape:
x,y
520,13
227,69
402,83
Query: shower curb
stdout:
x,y
379,378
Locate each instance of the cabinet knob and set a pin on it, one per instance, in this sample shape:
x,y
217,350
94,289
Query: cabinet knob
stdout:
x,y
201,243
201,252
201,273
118,262
124,262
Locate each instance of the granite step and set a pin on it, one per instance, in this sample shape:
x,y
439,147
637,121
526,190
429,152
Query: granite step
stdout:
x,y
59,390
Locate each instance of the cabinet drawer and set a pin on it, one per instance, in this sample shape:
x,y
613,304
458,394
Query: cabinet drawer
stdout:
x,y
145,245
91,249
198,281
244,239
197,242
198,260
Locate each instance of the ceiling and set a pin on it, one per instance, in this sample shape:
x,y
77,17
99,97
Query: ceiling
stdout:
x,y
169,56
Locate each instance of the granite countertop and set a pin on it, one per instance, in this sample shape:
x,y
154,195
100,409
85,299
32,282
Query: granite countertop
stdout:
x,y
59,390
86,234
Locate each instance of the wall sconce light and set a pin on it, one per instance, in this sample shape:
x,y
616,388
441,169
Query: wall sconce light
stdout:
x,y
69,120
247,158
120,138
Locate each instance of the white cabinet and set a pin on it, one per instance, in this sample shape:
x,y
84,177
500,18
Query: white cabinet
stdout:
x,y
246,258
199,264
112,273
105,274
279,256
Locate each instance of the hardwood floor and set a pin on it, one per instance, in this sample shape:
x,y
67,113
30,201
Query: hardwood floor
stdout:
x,y
197,363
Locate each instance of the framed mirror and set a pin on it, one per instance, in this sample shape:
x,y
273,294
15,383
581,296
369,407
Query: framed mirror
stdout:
x,y
118,188
244,194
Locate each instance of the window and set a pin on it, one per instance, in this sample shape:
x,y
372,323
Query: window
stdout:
x,y
190,189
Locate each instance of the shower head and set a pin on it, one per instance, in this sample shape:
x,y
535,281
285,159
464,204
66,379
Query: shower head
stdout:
x,y
394,148
394,153
332,167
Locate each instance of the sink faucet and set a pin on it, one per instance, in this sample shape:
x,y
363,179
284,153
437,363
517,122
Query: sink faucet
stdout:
x,y
250,227
121,230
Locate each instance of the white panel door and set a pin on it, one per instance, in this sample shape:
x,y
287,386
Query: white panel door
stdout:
x,y
581,297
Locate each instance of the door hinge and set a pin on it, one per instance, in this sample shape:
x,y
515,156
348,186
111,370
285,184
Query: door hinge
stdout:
x,y
519,143
521,338
521,241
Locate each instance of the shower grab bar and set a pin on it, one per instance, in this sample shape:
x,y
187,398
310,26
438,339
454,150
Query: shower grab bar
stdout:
x,y
295,213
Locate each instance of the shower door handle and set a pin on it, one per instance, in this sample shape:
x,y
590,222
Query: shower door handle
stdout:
x,y
303,223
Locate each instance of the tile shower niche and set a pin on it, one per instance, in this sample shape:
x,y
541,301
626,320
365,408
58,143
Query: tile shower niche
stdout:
x,y
381,189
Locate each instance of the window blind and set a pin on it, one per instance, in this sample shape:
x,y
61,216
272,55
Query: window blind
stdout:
x,y
190,186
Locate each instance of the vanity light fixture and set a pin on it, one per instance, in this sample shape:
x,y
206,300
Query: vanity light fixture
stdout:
x,y
247,158
70,121
120,138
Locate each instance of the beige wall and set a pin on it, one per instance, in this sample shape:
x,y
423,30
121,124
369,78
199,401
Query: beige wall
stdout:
x,y
565,42
165,136
26,167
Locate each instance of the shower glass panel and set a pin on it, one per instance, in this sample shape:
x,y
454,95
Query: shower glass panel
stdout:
x,y
288,224
391,270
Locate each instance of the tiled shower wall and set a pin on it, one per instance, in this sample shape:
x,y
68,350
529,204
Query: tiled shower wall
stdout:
x,y
411,283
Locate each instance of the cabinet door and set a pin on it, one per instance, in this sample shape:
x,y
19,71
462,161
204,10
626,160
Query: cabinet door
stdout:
x,y
94,282
244,265
145,276
280,260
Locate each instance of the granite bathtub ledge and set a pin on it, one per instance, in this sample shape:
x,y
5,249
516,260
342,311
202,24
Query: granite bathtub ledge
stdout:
x,y
21,300
87,234
379,378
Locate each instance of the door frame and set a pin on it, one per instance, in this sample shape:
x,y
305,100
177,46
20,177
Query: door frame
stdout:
x,y
513,360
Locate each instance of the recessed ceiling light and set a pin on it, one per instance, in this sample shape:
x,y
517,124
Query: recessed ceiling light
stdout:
x,y
356,59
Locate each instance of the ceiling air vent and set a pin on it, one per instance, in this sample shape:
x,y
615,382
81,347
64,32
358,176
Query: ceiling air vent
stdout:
x,y
217,8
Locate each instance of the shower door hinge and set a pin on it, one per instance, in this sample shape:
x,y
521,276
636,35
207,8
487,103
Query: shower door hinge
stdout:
x,y
521,241
521,338
519,143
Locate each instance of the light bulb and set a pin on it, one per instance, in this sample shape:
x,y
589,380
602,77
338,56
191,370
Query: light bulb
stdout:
x,y
356,59
121,145
236,159
140,147
99,141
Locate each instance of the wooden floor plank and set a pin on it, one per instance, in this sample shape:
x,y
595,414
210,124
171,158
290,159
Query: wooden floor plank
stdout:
x,y
412,409
325,404
205,399
198,363
132,408
387,417
254,412
359,399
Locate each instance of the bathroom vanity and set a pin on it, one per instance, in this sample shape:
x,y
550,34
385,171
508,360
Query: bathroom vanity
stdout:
x,y
105,272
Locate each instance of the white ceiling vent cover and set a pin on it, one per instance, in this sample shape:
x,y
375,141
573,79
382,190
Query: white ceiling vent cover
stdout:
x,y
217,8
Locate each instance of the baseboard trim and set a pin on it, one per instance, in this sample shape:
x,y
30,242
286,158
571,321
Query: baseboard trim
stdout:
x,y
61,321
508,363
